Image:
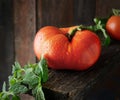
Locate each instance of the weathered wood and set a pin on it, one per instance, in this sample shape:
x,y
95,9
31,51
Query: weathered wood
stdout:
x,y
24,29
73,85
84,11
54,12
6,39
104,7
108,88
65,12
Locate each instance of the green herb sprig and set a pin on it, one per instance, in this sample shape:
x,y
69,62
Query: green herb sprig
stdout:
x,y
99,29
26,79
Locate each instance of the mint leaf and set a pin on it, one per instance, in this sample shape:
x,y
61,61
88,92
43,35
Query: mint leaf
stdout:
x,y
15,97
16,67
17,88
17,70
4,96
42,70
12,80
38,93
26,79
4,87
30,78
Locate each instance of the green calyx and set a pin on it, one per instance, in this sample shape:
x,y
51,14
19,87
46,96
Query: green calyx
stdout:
x,y
71,33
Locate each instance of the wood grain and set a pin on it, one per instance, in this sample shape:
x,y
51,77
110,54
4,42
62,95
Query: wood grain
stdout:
x,y
84,11
6,39
54,12
24,29
104,7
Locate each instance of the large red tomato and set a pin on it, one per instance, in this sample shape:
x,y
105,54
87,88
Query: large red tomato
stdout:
x,y
113,27
79,53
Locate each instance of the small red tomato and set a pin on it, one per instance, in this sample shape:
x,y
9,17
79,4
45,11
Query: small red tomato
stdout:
x,y
113,27
79,53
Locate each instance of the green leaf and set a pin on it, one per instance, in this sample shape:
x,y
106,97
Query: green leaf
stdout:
x,y
38,93
17,70
107,41
4,87
25,79
16,67
4,97
12,80
30,78
1,93
17,88
43,70
15,97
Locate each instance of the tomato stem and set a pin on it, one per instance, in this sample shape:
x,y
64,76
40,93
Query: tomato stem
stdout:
x,y
71,33
116,12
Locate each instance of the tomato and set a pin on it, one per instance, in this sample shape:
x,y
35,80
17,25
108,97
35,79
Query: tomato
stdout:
x,y
79,53
113,27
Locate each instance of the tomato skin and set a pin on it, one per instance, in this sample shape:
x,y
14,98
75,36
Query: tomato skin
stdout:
x,y
113,27
78,54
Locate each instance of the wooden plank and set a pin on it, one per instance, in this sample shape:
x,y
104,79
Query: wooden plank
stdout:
x,y
84,11
25,29
6,39
108,88
54,12
73,85
104,7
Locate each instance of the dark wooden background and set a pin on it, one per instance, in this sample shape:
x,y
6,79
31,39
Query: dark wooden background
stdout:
x,y
21,19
